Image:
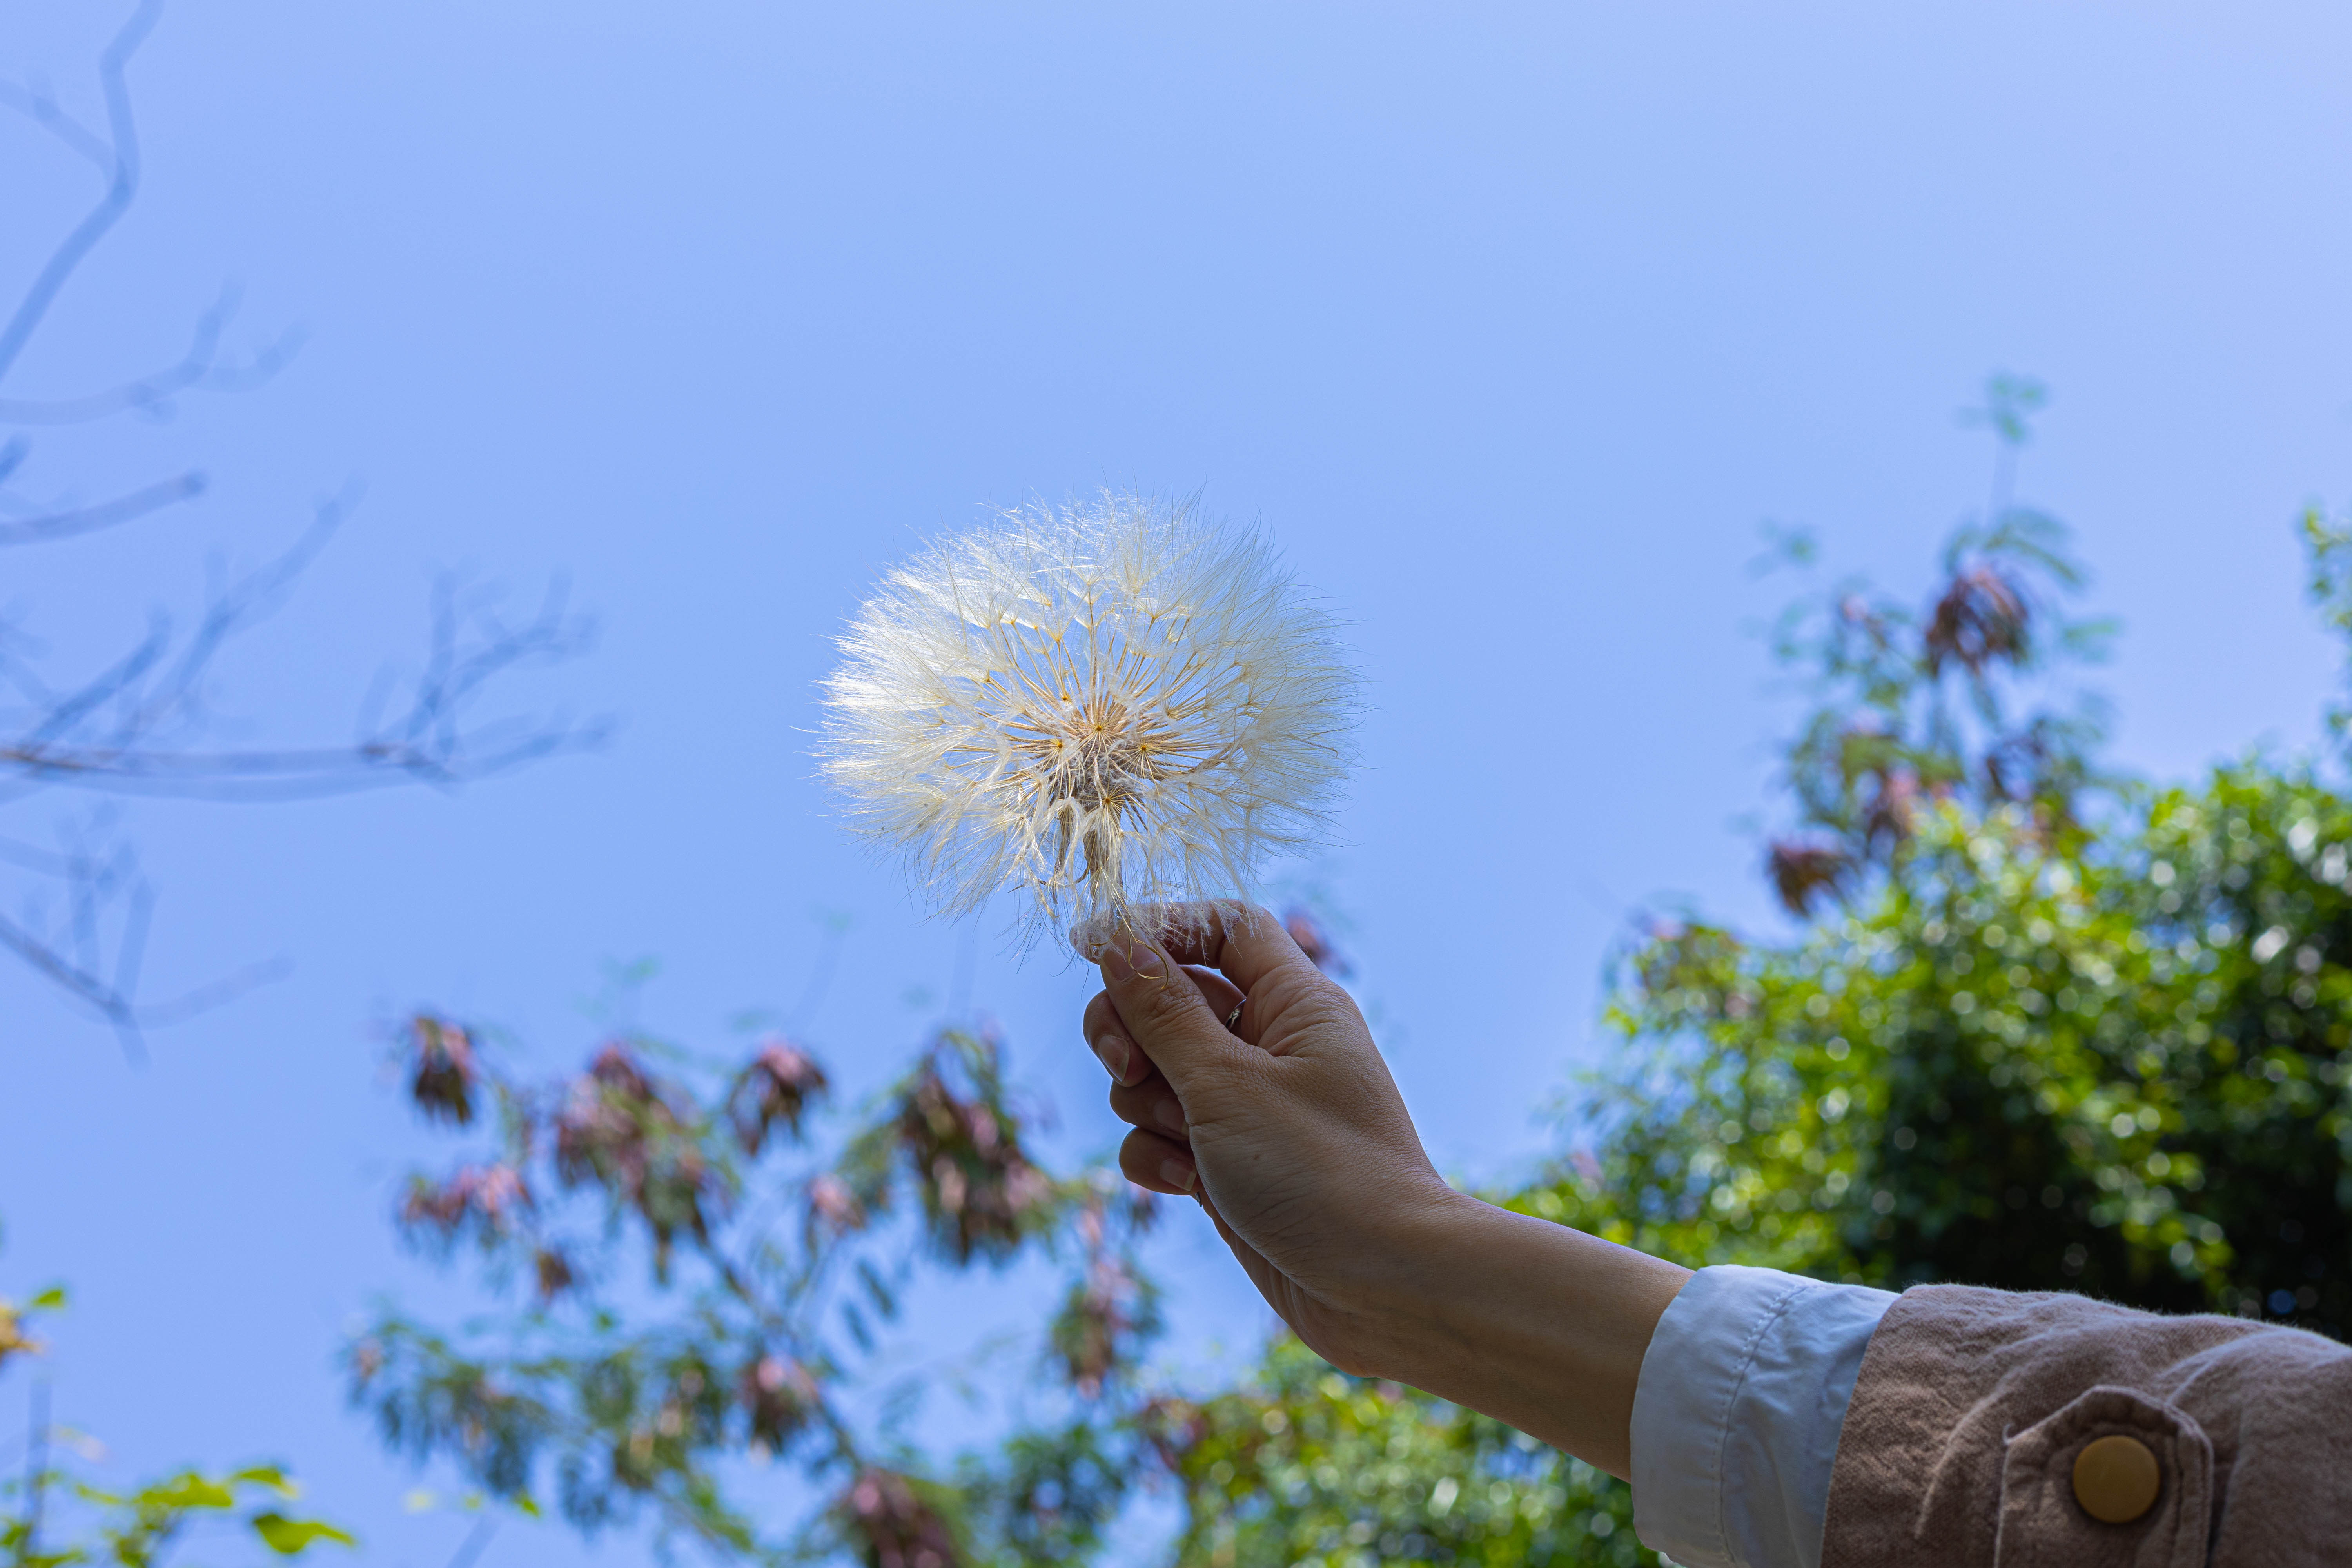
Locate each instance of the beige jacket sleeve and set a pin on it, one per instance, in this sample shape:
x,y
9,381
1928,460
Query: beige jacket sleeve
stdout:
x,y
1966,1439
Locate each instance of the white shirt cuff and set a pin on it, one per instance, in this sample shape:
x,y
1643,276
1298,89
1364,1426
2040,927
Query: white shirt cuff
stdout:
x,y
1737,1415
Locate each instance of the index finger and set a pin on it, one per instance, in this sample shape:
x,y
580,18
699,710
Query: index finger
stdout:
x,y
1242,941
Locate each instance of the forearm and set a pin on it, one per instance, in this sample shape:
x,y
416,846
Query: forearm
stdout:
x,y
1529,1322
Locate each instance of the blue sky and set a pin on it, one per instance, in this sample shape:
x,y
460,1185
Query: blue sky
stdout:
x,y
1511,322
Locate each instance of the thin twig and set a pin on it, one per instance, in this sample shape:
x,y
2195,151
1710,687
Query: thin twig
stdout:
x,y
476,1539
820,980
123,509
200,369
37,1470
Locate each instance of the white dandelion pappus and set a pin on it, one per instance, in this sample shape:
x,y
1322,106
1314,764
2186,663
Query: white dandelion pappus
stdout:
x,y
1113,704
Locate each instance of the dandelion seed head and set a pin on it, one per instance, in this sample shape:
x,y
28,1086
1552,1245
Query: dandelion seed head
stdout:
x,y
1112,705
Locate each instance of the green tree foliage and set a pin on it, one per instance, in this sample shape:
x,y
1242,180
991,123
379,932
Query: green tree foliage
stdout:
x,y
53,1515
2113,1063
1306,1463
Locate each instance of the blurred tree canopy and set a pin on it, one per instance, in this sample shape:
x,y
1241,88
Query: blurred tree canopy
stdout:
x,y
688,1275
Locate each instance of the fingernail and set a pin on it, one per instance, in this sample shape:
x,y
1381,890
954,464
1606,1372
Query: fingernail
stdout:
x,y
1123,961
1089,937
1171,1115
1116,1056
1179,1176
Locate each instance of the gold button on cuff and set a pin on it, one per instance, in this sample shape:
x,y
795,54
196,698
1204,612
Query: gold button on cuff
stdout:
x,y
2115,1479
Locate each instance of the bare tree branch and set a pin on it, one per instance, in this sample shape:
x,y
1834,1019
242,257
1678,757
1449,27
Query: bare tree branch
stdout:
x,y
123,509
144,723
115,733
103,887
201,369
118,158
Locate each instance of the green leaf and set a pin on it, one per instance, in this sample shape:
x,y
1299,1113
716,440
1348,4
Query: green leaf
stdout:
x,y
287,1536
524,1506
270,1475
49,1301
186,1491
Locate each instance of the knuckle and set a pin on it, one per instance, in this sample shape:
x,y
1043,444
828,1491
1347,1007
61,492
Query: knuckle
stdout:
x,y
1329,1003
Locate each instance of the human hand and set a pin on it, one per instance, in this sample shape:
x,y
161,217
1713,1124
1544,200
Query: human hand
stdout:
x,y
1286,1127
1291,1134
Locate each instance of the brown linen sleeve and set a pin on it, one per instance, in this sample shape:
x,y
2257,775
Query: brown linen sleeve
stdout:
x,y
1973,1407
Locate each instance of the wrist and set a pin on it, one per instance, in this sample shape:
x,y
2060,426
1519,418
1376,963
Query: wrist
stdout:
x,y
1452,1247
1531,1322
1418,1297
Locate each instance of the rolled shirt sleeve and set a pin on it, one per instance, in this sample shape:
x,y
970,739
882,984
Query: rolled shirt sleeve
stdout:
x,y
1736,1417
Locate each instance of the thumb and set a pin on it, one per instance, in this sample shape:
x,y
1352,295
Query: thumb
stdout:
x,y
1164,1013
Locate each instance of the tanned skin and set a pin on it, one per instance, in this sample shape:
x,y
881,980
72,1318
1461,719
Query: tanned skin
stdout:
x,y
1291,1136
